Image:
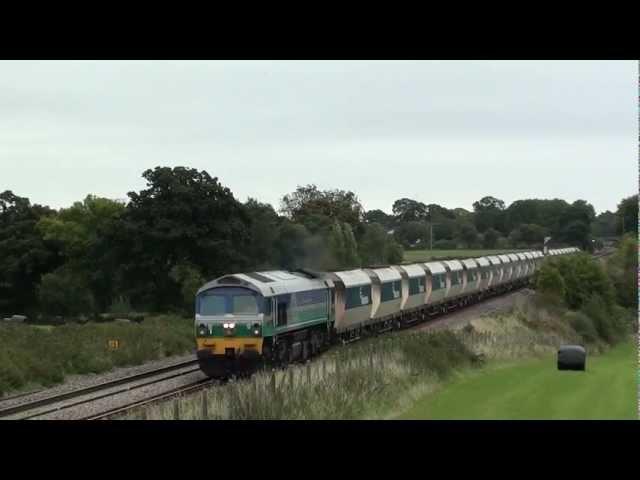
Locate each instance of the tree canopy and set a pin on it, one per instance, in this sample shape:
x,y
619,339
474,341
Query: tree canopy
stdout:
x,y
185,228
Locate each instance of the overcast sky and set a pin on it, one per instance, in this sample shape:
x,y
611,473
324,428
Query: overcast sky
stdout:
x,y
446,132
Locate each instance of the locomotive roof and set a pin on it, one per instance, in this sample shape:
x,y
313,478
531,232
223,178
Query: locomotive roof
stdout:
x,y
273,282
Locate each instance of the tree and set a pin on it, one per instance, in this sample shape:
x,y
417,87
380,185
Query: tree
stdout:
x,y
577,233
628,214
184,217
291,245
317,209
79,233
263,234
549,281
65,292
489,213
605,225
190,280
583,278
622,268
490,238
343,246
437,213
379,217
373,245
579,211
408,233
468,235
395,253
407,210
24,255
527,235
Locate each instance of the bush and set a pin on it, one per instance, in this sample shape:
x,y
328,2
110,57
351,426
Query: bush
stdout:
x,y
583,325
445,244
622,268
549,282
65,293
120,306
608,321
582,278
45,355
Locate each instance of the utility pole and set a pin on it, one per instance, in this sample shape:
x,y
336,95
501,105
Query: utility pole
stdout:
x,y
431,236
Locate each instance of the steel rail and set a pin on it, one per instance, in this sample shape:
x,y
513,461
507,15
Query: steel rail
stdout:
x,y
94,388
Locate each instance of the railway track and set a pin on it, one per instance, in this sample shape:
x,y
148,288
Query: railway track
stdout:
x,y
43,406
195,386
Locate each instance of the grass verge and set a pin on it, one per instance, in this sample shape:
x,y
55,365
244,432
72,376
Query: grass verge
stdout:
x,y
535,389
363,380
34,355
426,255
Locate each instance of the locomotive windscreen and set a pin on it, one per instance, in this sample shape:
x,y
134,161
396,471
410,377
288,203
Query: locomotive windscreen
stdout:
x,y
224,300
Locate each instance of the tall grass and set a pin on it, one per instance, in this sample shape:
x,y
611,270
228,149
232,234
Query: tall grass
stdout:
x,y
355,381
36,355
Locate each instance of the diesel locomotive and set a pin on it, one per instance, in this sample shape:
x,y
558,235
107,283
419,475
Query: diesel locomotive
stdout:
x,y
245,320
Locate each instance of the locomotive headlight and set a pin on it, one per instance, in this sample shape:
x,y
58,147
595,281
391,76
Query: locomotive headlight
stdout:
x,y
202,330
232,325
256,329
225,325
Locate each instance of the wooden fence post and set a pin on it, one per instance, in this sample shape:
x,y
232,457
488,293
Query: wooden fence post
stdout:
x,y
324,369
291,378
308,374
176,408
273,383
205,410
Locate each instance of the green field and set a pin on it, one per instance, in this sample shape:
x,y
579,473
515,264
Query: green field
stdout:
x,y
535,389
426,255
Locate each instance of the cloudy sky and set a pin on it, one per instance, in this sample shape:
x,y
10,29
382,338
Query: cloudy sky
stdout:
x,y
446,132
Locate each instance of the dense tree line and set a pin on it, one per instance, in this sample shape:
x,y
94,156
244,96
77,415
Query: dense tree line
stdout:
x,y
185,227
602,296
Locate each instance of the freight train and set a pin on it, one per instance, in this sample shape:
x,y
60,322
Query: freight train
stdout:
x,y
245,320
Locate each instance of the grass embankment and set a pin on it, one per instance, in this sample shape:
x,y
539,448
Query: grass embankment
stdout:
x,y
390,375
32,355
363,380
426,255
535,389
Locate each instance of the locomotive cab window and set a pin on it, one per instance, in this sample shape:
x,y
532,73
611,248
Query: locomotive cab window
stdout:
x,y
229,300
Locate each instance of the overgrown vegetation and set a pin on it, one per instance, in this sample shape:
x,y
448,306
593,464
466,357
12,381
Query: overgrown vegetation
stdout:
x,y
356,381
40,355
598,301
